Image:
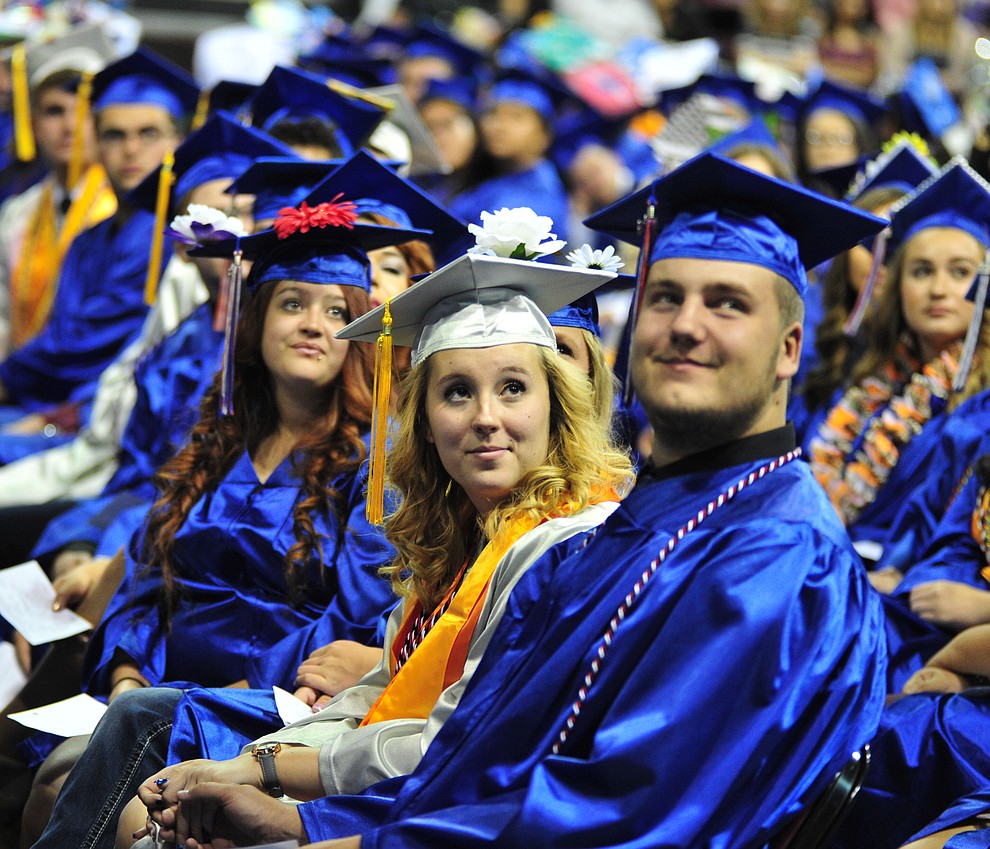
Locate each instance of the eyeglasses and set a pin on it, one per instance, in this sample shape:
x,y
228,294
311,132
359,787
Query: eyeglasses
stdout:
x,y
841,139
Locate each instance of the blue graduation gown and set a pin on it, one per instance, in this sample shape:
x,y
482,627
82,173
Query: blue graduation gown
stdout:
x,y
957,433
170,382
750,670
930,771
539,188
98,307
234,620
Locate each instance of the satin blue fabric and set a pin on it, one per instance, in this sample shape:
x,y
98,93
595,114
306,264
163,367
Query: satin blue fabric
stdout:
x,y
751,669
170,382
930,770
539,188
234,620
98,308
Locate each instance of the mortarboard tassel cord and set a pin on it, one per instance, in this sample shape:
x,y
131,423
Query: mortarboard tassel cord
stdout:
x,y
649,225
973,331
865,297
202,111
165,178
83,95
232,313
379,421
23,134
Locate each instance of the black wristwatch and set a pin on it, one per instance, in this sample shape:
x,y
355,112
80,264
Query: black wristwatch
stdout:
x,y
265,755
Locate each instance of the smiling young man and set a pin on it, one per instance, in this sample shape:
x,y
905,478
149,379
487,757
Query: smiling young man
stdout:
x,y
139,107
696,670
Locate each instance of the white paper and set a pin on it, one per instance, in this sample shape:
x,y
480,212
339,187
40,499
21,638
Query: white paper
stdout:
x,y
12,677
67,718
289,707
26,597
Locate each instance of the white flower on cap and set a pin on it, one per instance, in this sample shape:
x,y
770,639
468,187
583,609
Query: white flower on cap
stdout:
x,y
514,234
205,224
586,257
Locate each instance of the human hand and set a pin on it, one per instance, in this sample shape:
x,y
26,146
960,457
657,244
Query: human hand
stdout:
x,y
933,679
353,842
22,650
66,561
26,425
885,580
72,587
160,792
216,816
951,604
333,668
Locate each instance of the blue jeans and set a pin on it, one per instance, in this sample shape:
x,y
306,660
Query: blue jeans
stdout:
x,y
129,744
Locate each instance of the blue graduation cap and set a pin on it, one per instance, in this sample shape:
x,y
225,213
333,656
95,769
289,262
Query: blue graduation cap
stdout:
x,y
927,105
231,96
582,314
281,181
291,93
902,167
387,42
373,187
755,132
540,90
321,244
431,40
146,78
856,104
726,86
344,60
221,148
955,197
713,208
460,90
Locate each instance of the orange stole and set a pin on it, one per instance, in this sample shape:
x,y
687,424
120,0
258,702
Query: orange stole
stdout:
x,y
35,275
438,660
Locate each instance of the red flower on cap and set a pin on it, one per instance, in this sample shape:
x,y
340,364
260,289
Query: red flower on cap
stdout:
x,y
306,218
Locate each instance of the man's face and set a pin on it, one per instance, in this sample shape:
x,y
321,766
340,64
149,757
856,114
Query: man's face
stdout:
x,y
54,120
708,351
132,140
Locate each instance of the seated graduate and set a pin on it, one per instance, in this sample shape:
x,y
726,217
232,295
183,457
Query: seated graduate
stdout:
x,y
516,459
517,127
851,284
869,451
256,551
140,104
695,672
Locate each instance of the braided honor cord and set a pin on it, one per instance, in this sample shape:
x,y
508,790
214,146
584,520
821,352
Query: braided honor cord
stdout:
x,y
627,603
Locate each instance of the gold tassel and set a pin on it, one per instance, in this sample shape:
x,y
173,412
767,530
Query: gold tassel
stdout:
x,y
23,134
375,509
83,95
165,178
202,111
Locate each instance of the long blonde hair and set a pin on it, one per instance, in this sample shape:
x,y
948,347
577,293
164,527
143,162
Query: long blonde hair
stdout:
x,y
436,527
885,328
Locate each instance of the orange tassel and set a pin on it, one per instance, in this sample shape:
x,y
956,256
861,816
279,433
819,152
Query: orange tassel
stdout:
x,y
23,134
79,130
165,178
375,510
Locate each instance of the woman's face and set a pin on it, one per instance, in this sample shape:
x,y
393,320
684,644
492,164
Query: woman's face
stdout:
x,y
452,129
829,140
488,413
572,346
514,132
939,266
389,274
298,344
861,260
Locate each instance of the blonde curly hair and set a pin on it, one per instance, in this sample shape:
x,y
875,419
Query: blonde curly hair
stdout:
x,y
436,528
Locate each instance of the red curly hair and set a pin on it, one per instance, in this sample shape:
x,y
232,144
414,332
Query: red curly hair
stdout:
x,y
334,446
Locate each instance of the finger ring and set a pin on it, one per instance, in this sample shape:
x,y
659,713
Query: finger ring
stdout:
x,y
161,782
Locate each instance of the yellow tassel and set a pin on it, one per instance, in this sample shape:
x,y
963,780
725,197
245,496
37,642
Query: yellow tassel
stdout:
x,y
379,421
165,178
79,130
202,111
23,134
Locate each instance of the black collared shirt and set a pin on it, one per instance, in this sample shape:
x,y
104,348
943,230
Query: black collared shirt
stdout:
x,y
760,446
